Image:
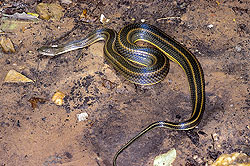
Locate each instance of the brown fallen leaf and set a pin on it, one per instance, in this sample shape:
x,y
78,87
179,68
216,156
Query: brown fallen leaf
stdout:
x,y
85,17
108,84
84,14
35,100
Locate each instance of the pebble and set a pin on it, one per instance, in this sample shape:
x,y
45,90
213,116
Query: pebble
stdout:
x,y
216,137
195,157
238,48
103,19
58,98
232,159
210,26
7,45
82,116
66,1
49,11
165,159
16,77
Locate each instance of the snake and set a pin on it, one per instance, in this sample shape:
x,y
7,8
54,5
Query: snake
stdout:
x,y
145,65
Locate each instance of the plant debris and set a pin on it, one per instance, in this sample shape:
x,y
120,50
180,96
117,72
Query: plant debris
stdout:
x,y
34,100
108,84
85,17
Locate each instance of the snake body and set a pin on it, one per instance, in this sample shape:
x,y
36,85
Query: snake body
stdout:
x,y
146,66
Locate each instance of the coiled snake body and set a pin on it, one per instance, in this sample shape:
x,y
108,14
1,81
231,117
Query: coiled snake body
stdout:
x,y
145,66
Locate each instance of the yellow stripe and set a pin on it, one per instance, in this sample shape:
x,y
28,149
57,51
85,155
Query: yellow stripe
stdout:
x,y
174,60
170,55
146,74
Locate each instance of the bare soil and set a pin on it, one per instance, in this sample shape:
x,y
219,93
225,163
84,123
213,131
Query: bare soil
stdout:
x,y
217,32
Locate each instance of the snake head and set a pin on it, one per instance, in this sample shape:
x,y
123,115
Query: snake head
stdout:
x,y
48,51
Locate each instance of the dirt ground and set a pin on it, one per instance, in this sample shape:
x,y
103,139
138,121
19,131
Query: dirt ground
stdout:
x,y
217,32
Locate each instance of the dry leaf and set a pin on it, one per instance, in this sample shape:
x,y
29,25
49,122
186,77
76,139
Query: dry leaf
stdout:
x,y
16,77
34,100
84,13
85,17
108,84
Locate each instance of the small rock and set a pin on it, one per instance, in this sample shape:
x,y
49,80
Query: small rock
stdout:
x,y
67,2
195,157
165,159
82,116
103,19
216,137
58,98
16,77
199,160
42,10
7,45
240,159
238,48
49,11
210,26
56,11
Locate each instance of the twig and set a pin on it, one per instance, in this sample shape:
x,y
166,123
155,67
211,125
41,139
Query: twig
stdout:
x,y
168,18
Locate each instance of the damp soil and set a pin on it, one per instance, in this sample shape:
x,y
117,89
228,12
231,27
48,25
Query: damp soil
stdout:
x,y
217,32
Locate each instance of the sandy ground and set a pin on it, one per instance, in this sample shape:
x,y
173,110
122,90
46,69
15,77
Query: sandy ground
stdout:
x,y
217,32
